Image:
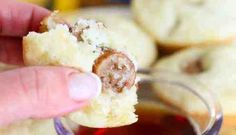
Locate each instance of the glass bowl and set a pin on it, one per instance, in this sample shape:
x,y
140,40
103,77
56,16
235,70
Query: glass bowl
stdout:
x,y
175,93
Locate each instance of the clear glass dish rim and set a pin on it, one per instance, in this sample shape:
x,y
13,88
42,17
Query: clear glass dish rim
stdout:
x,y
208,98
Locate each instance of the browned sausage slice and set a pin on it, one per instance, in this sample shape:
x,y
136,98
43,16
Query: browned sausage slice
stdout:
x,y
115,69
51,21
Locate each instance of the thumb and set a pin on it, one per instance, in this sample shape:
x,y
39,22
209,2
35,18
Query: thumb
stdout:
x,y
44,92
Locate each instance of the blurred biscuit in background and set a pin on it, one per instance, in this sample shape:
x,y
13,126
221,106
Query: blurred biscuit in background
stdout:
x,y
126,34
177,24
216,69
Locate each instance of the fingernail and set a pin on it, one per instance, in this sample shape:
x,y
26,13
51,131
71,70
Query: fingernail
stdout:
x,y
84,86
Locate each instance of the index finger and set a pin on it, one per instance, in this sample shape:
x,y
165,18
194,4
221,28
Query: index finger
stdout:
x,y
17,18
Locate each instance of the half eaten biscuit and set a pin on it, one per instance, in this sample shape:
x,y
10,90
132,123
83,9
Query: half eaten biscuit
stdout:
x,y
85,46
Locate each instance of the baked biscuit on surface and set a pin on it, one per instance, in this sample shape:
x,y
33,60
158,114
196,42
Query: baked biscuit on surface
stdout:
x,y
213,67
125,34
184,23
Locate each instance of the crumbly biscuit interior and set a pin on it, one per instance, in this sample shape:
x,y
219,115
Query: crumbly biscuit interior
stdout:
x,y
79,47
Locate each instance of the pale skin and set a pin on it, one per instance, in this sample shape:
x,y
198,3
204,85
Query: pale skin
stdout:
x,y
36,92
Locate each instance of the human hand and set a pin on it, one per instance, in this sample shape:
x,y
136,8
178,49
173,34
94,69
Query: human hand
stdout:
x,y
36,92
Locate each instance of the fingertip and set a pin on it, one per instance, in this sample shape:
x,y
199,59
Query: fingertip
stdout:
x,y
84,86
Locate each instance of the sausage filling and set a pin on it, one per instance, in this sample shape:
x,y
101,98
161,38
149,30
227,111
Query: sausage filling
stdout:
x,y
115,69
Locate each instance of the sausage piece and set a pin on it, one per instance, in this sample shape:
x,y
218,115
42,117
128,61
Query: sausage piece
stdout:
x,y
51,21
115,69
